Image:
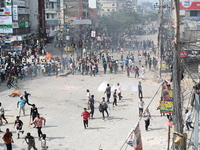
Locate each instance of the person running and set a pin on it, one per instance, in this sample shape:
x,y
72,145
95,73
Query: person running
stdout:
x,y
141,106
26,97
119,91
115,98
38,123
104,107
147,117
140,90
8,140
43,142
108,92
2,113
30,141
85,114
21,105
92,106
18,124
34,112
188,120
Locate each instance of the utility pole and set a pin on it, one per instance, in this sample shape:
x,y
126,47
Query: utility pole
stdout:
x,y
196,122
160,36
177,109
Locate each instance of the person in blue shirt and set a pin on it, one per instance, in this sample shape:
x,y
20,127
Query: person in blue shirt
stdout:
x,y
140,95
21,105
92,106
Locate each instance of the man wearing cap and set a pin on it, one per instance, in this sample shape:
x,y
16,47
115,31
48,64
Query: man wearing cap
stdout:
x,y
21,105
30,141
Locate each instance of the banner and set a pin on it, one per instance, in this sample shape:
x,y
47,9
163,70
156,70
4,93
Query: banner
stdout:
x,y
189,5
5,20
134,139
17,48
166,106
21,24
166,102
93,34
15,12
8,3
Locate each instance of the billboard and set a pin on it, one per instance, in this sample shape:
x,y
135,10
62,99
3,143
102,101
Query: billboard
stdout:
x,y
189,5
15,12
5,11
6,29
5,20
84,21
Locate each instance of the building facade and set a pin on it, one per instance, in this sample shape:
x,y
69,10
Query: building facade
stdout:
x,y
51,17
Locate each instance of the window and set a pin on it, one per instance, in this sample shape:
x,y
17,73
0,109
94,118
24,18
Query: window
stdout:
x,y
47,16
113,4
52,16
47,5
113,10
193,13
102,10
53,28
52,5
101,4
108,10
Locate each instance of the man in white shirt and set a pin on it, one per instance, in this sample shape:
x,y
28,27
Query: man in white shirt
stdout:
x,y
142,71
141,106
188,120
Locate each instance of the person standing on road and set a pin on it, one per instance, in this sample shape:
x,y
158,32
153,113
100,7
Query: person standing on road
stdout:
x,y
136,69
104,108
141,106
140,90
85,114
30,142
188,120
128,70
104,66
119,91
34,112
8,140
18,124
88,99
2,113
108,92
92,106
38,123
21,105
142,70
147,117
26,97
115,98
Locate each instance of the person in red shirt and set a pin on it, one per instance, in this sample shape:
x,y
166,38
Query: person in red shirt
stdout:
x,y
136,69
85,116
128,71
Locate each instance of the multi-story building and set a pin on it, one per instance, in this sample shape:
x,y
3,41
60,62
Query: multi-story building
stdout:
x,y
51,17
108,6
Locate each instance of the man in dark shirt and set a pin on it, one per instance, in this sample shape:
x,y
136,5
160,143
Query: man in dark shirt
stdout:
x,y
26,97
92,106
108,92
30,141
18,124
34,112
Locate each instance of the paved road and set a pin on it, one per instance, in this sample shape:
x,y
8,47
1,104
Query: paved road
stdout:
x,y
61,101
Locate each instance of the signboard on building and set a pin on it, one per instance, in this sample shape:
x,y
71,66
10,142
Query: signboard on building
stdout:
x,y
15,12
23,11
21,24
19,3
5,11
6,29
189,5
93,4
48,30
84,21
51,22
8,3
17,48
5,20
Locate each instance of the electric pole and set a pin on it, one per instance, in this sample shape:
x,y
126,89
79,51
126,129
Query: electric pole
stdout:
x,y
177,109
